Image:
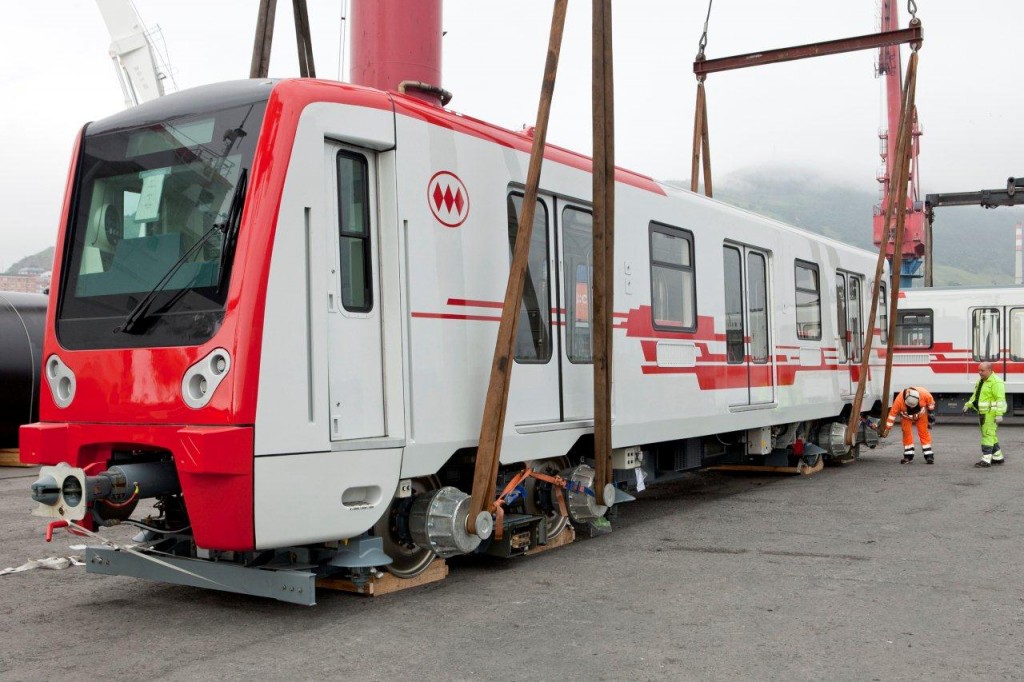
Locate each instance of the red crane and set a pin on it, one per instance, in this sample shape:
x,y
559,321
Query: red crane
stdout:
x,y
914,239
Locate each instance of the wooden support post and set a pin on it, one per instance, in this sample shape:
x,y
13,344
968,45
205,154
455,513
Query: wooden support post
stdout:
x,y
488,455
387,583
896,206
302,39
264,38
566,537
9,457
801,468
604,241
701,143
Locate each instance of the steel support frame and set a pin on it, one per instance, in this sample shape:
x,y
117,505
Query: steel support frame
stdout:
x,y
914,34
289,585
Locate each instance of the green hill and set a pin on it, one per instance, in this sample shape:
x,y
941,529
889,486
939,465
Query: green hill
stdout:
x,y
42,260
967,240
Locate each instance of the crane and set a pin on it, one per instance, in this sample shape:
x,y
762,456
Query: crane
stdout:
x,y
914,240
141,69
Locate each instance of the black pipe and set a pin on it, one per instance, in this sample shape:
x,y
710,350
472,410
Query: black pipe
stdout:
x,y
22,319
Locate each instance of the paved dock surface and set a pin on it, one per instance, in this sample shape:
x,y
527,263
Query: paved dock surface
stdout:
x,y
872,571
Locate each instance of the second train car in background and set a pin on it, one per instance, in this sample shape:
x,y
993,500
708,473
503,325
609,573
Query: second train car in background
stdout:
x,y
943,333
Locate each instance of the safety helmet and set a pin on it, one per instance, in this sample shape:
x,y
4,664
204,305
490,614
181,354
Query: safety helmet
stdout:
x,y
911,398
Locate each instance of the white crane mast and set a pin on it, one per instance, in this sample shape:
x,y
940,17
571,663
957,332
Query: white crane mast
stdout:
x,y
140,70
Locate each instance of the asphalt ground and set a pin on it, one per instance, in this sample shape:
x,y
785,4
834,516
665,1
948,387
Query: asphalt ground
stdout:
x,y
870,571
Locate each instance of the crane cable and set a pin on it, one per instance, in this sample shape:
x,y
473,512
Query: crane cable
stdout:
x,y
704,36
701,141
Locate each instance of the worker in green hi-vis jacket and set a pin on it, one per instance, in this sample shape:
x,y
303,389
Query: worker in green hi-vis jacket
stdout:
x,y
989,400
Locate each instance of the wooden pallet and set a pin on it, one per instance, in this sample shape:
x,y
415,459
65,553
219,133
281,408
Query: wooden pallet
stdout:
x,y
386,584
9,458
566,537
801,468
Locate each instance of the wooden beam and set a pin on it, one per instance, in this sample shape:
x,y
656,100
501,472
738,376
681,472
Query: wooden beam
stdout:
x,y
901,170
604,241
488,455
914,34
260,65
910,90
302,39
701,145
9,457
801,468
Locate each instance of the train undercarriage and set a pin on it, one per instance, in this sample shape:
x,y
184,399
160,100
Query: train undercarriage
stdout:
x,y
427,519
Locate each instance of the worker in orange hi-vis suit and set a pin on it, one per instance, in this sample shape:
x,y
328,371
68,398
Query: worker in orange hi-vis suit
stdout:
x,y
914,405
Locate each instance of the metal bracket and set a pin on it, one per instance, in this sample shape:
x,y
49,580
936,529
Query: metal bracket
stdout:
x,y
294,586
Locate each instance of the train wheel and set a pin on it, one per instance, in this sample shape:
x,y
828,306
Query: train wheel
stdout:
x,y
408,559
551,467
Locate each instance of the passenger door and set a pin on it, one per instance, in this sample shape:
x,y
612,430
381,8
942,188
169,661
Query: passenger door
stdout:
x,y
576,232
1014,366
355,360
750,366
534,387
850,326
990,329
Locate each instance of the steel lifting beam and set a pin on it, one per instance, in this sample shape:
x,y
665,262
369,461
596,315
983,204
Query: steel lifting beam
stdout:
x,y
914,34
986,198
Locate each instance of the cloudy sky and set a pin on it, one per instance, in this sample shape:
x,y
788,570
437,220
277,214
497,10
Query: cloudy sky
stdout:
x,y
821,114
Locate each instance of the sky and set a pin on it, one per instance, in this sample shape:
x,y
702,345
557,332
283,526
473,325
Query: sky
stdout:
x,y
822,115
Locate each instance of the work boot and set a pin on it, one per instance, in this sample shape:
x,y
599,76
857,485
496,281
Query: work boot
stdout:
x,y
929,459
907,460
982,464
998,461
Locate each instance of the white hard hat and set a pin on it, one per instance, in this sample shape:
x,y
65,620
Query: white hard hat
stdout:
x,y
911,397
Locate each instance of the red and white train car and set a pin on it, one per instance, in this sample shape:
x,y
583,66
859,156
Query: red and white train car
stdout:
x,y
943,333
274,313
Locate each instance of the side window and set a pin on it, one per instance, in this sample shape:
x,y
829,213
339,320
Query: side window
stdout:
x,y
883,313
913,328
578,263
732,283
533,333
354,236
808,301
1016,334
985,334
841,329
673,297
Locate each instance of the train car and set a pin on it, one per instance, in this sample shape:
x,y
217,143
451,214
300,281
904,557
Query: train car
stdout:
x,y
943,333
22,318
274,314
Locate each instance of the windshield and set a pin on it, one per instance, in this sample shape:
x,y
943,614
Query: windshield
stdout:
x,y
147,202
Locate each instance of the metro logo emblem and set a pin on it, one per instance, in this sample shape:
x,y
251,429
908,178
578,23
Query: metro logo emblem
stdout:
x,y
448,199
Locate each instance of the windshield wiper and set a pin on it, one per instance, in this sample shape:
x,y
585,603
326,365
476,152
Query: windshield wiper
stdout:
x,y
227,228
227,252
